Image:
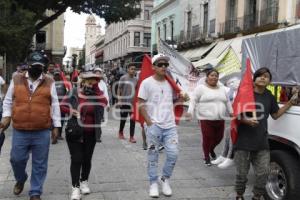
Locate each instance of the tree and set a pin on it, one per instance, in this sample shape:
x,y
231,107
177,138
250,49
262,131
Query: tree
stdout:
x,y
17,26
110,10
20,20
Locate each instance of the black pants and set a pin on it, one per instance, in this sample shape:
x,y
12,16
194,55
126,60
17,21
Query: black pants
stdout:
x,y
81,158
125,111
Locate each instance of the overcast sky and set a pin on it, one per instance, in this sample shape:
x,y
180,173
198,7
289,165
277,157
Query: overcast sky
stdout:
x,y
75,28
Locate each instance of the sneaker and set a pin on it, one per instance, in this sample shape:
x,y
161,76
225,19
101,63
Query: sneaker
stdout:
x,y
153,191
160,148
121,136
226,163
165,186
219,160
84,187
213,155
60,138
75,193
207,162
132,140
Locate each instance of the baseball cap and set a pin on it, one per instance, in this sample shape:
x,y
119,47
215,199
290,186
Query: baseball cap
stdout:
x,y
98,69
89,74
159,57
36,58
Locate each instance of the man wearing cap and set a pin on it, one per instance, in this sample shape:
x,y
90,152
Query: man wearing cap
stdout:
x,y
103,87
126,92
31,104
61,91
155,100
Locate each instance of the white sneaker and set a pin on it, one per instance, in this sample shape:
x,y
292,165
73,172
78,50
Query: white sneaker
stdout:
x,y
153,191
84,187
165,186
226,163
75,193
219,160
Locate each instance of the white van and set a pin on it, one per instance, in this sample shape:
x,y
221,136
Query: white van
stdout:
x,y
284,139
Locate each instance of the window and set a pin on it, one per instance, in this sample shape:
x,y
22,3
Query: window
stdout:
x,y
284,93
165,32
158,32
147,39
41,37
298,9
147,13
137,39
172,30
205,18
189,24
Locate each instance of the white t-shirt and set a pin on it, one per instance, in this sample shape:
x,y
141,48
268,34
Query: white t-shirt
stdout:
x,y
210,104
102,86
159,102
2,82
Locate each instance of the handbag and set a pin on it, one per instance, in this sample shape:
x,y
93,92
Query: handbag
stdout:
x,y
74,130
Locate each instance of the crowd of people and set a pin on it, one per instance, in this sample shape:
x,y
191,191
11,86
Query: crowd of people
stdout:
x,y
41,98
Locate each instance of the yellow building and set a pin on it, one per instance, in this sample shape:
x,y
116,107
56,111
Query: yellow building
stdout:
x,y
51,39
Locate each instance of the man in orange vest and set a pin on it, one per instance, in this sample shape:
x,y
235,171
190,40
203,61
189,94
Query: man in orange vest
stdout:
x,y
32,105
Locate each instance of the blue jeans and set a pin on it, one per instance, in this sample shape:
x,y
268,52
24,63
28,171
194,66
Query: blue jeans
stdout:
x,y
157,136
36,142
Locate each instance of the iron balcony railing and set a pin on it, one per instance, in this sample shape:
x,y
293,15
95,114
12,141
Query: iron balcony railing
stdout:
x,y
269,16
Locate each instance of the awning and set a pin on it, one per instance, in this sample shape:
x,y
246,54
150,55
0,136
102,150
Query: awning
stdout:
x,y
195,54
215,56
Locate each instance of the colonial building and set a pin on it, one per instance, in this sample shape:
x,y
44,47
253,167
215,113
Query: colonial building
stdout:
x,y
51,39
200,29
92,30
128,41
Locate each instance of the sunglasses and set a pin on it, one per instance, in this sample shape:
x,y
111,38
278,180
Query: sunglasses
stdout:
x,y
162,64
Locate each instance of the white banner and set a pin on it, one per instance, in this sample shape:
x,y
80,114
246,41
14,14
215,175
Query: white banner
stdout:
x,y
182,70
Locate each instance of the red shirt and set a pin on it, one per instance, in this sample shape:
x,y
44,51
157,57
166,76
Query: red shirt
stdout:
x,y
87,107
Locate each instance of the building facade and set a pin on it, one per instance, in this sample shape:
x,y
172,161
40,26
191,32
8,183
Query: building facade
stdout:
x,y
196,26
128,41
51,39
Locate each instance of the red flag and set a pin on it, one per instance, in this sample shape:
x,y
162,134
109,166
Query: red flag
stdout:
x,y
67,84
244,100
75,75
147,71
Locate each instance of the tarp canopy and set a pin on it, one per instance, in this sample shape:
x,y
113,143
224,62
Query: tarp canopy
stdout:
x,y
196,54
215,56
279,51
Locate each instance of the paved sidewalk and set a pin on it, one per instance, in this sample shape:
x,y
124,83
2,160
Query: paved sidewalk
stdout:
x,y
119,170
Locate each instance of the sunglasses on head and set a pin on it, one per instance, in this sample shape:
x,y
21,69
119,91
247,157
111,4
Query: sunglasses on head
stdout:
x,y
162,64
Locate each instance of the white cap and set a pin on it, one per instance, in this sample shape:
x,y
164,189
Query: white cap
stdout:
x,y
159,57
98,69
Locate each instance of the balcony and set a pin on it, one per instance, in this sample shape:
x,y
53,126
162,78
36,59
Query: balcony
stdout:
x,y
231,26
252,23
196,34
269,16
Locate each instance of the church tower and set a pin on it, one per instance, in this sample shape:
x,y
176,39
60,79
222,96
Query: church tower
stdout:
x,y
91,32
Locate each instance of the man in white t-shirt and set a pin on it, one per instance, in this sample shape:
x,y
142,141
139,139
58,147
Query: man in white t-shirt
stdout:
x,y
155,100
103,87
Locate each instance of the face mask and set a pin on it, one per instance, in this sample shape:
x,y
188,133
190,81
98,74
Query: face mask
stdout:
x,y
88,90
35,71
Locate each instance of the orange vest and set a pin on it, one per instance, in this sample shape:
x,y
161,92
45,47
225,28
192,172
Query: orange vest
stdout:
x,y
31,112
